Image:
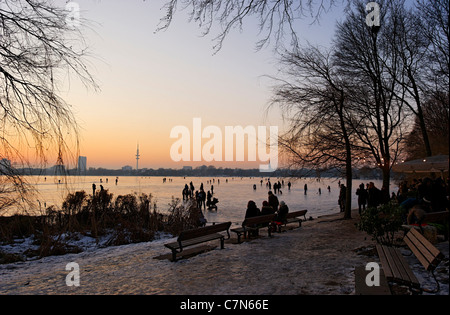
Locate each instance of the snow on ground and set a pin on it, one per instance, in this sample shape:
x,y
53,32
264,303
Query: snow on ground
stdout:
x,y
318,258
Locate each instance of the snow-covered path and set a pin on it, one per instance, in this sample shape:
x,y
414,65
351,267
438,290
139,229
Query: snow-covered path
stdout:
x,y
318,258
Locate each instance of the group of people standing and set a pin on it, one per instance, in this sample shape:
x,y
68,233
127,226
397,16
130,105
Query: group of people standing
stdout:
x,y
368,196
422,196
269,206
430,194
276,186
203,199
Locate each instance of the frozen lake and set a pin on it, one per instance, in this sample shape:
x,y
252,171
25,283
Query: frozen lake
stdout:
x,y
233,192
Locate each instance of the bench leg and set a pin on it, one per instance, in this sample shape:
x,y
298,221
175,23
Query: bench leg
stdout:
x,y
435,290
222,243
174,255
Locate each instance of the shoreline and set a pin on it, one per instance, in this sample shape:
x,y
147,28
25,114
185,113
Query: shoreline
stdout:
x,y
318,258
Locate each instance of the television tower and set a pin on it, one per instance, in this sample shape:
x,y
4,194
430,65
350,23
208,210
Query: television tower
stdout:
x,y
137,157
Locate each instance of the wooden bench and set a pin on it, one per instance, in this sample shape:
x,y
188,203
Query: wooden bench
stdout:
x,y
433,217
397,269
293,217
253,225
197,236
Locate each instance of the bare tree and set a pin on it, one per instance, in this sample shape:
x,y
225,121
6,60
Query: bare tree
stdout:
x,y
435,16
406,37
38,48
315,103
366,59
275,18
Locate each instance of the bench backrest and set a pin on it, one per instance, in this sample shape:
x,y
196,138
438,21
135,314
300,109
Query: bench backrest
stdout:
x,y
296,214
425,252
436,217
211,229
259,219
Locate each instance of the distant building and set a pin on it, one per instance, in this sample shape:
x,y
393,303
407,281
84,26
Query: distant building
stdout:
x,y
187,168
127,168
82,165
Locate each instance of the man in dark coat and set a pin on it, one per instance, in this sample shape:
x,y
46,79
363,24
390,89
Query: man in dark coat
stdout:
x,y
273,201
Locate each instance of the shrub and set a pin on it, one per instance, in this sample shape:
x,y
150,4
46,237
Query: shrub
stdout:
x,y
129,219
382,223
183,216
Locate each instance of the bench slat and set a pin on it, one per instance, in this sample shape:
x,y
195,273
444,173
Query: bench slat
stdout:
x,y
433,250
202,239
397,260
395,266
259,220
407,274
413,247
197,236
387,270
194,233
295,214
393,262
426,253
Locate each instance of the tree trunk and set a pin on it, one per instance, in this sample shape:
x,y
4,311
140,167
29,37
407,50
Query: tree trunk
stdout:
x,y
423,128
386,176
349,175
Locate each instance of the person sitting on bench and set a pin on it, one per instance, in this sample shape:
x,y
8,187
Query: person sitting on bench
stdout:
x,y
252,210
266,208
280,215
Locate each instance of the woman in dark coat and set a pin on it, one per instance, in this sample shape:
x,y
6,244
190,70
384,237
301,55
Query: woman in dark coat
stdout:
x,y
252,210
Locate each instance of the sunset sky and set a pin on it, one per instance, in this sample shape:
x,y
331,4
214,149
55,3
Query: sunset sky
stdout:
x,y
151,81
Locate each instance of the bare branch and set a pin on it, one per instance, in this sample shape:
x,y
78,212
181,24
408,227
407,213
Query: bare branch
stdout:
x,y
275,18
